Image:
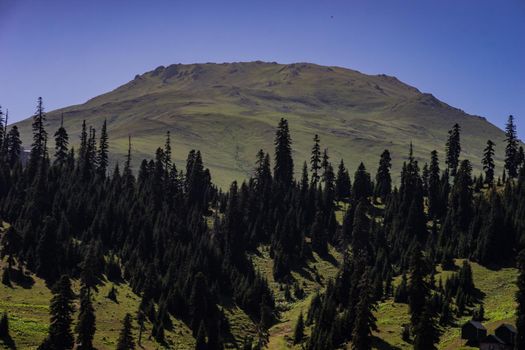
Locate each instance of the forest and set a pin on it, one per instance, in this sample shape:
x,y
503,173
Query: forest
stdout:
x,y
184,245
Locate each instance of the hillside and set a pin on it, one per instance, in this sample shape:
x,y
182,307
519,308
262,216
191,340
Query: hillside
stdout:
x,y
229,112
27,306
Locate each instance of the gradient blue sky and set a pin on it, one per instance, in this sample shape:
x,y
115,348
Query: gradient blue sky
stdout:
x,y
468,53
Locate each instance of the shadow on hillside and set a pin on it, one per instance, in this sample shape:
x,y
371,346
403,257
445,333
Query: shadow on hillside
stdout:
x,y
305,272
330,258
8,342
498,267
380,344
21,279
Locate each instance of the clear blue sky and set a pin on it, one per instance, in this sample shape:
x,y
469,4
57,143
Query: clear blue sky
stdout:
x,y
468,53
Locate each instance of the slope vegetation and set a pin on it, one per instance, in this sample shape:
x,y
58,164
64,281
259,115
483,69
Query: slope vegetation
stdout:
x,y
229,111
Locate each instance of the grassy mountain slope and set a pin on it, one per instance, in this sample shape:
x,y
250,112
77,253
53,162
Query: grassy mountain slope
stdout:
x,y
229,111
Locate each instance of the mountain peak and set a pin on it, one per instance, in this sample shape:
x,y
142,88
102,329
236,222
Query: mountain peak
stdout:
x,y
229,112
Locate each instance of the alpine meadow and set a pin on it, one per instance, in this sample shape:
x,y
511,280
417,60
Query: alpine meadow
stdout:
x,y
257,205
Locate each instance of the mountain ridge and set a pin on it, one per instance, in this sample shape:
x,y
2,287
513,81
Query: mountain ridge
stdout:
x,y
229,111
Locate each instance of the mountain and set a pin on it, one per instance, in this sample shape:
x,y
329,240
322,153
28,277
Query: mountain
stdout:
x,y
229,111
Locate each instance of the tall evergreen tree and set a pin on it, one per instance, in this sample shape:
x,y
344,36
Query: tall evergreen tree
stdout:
x,y
365,321
125,339
511,149
342,183
360,232
103,147
315,161
298,333
426,333
488,162
520,300
61,144
14,146
61,310
85,327
283,168
383,178
453,148
434,186
38,147
417,287
362,184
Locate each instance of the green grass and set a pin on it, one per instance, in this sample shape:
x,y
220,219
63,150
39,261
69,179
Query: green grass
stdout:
x,y
229,112
498,286
312,278
28,310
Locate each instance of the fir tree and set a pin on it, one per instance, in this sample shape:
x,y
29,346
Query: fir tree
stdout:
x,y
342,183
434,187
360,232
520,300
488,162
38,147
315,161
102,155
362,184
61,310
511,149
426,333
453,149
4,327
365,321
61,145
85,327
417,287
200,343
14,146
125,339
283,169
383,178
298,333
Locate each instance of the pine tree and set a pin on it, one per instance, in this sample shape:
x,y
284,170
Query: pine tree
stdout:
x,y
520,300
46,251
61,310
83,142
362,184
263,173
453,149
342,183
298,333
305,184
434,187
125,339
283,169
38,147
315,161
2,128
85,327
200,343
365,321
319,236
61,145
102,155
426,333
4,327
511,150
417,287
14,146
488,162
361,227
167,152
383,178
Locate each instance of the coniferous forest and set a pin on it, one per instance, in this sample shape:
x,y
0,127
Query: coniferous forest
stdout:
x,y
186,247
